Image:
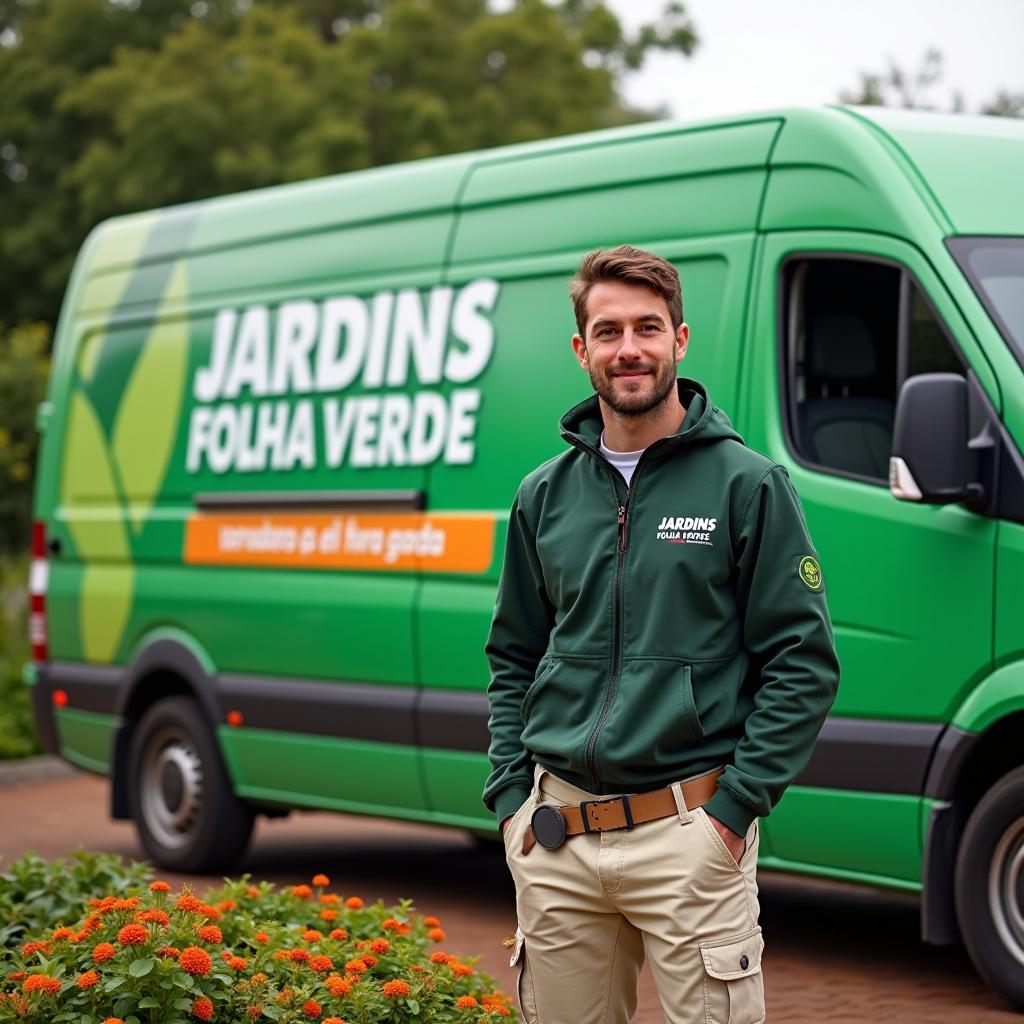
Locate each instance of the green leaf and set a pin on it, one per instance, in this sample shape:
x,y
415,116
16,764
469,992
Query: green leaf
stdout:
x,y
148,415
414,1006
148,1003
140,968
273,1011
112,983
183,980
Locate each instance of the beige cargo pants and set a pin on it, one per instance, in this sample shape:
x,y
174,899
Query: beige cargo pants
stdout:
x,y
592,910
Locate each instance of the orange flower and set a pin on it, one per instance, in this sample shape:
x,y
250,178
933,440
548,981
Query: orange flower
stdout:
x,y
16,976
337,986
332,1020
159,886
133,935
103,951
194,960
435,935
303,892
431,922
156,916
113,1020
354,903
238,963
254,1012
21,1006
465,1003
60,934
225,905
321,880
258,978
404,928
328,915
285,996
380,945
312,935
461,970
210,913
226,955
262,938
41,983
210,933
329,897
129,904
189,903
169,951
441,958
502,1011
395,989
391,925
92,923
320,964
252,892
80,936
356,967
311,1009
88,979
339,934
202,1008
34,947
299,956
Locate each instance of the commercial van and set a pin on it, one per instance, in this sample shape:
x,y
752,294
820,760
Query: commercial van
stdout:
x,y
284,429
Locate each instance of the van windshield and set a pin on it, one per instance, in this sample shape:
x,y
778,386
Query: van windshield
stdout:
x,y
995,268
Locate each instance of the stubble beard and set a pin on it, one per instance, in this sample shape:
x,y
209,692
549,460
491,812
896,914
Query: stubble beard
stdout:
x,y
636,401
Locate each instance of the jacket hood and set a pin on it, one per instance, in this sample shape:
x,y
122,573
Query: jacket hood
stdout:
x,y
703,421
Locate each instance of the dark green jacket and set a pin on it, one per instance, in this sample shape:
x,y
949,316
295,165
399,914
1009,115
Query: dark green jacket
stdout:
x,y
649,633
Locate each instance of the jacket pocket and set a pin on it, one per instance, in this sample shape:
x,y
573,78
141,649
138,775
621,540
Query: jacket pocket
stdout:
x,y
545,667
733,985
653,717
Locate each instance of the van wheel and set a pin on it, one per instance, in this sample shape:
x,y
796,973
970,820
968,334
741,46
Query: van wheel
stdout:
x,y
990,887
186,814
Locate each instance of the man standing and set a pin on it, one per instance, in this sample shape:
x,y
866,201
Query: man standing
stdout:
x,y
662,661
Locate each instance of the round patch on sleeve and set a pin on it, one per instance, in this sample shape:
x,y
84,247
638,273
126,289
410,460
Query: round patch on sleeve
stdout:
x,y
810,573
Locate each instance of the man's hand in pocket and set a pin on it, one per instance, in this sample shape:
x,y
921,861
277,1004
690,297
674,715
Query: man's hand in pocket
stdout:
x,y
735,844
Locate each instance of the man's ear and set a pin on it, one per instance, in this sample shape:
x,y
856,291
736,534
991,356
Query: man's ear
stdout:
x,y
579,346
682,340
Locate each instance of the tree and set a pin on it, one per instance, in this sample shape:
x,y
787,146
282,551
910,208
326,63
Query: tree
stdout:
x,y
895,87
24,369
112,106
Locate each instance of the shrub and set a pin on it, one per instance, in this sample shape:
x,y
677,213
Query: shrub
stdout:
x,y
243,952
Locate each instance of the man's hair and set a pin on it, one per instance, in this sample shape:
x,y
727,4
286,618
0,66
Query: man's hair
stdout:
x,y
631,266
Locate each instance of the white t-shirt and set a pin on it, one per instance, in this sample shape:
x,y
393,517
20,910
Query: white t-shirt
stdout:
x,y
624,462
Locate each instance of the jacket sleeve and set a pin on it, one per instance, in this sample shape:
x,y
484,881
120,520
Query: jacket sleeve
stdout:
x,y
523,620
788,635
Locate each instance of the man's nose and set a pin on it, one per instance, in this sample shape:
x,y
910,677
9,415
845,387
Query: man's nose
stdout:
x,y
630,347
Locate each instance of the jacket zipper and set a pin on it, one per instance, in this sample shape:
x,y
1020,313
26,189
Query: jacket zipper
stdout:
x,y
622,518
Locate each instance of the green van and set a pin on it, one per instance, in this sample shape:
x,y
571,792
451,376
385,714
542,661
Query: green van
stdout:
x,y
284,428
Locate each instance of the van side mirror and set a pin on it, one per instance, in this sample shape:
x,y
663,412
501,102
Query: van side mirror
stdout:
x,y
929,441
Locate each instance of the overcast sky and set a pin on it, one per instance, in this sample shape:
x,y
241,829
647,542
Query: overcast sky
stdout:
x,y
758,54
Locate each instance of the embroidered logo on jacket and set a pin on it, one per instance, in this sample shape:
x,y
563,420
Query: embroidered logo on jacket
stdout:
x,y
687,530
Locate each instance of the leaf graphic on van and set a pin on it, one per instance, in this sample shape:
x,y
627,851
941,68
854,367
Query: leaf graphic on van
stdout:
x,y
146,425
95,521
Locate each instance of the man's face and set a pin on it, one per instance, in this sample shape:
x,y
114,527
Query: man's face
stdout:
x,y
630,349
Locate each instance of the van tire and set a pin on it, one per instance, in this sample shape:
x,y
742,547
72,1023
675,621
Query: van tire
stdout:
x,y
187,816
987,890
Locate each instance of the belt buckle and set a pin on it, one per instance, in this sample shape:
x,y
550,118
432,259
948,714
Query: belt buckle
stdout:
x,y
548,824
624,800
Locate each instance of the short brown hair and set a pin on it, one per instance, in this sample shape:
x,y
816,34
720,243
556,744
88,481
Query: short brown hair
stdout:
x,y
631,266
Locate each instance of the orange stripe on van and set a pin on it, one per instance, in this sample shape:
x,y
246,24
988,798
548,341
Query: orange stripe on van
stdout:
x,y
446,542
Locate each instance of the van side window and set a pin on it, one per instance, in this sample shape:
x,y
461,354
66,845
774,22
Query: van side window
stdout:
x,y
853,331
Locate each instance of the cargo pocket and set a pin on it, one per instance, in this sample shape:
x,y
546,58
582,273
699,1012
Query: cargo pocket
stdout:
x,y
733,986
527,999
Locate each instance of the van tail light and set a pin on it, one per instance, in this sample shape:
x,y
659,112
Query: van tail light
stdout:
x,y
38,581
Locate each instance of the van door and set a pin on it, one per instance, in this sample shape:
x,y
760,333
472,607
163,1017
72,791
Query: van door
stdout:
x,y
841,320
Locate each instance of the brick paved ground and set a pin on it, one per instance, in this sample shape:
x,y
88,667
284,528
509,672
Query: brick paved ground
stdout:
x,y
834,953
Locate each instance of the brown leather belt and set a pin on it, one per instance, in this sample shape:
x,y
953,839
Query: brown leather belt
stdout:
x,y
626,811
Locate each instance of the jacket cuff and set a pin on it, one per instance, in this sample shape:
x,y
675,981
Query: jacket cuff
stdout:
x,y
729,811
509,800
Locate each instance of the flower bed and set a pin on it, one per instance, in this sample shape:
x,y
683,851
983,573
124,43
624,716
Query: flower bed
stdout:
x,y
248,952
